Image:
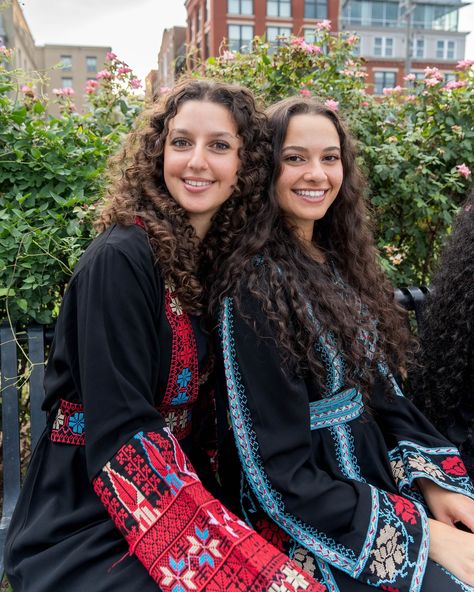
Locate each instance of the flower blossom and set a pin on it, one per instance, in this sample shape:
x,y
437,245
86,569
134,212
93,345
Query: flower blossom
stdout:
x,y
304,92
433,73
392,91
297,41
63,92
104,74
431,81
310,48
463,170
110,56
352,40
123,70
324,25
135,83
452,84
6,52
463,64
228,56
331,104
409,77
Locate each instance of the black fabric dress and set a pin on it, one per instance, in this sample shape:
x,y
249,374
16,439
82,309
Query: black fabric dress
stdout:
x,y
328,481
112,500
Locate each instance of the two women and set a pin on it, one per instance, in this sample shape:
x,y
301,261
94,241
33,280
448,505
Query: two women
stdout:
x,y
337,468
111,501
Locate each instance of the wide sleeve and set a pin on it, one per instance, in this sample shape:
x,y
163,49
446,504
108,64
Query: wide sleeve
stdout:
x,y
183,536
416,447
376,537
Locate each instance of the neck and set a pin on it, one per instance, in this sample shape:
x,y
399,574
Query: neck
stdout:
x,y
201,225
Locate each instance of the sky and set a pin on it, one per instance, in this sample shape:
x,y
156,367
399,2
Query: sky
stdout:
x,y
133,28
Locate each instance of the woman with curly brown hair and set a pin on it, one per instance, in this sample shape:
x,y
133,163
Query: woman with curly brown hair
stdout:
x,y
444,378
111,501
337,468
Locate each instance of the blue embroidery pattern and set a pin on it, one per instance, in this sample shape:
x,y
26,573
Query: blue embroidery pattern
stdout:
x,y
340,408
247,447
76,422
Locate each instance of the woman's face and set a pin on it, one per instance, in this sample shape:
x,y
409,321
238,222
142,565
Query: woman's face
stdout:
x,y
201,160
311,171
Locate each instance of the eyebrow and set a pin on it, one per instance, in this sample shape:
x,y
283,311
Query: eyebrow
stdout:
x,y
303,149
186,132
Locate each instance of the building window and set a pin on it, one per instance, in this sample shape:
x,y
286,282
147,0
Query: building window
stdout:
x,y
449,76
371,14
274,35
66,62
66,82
419,75
279,8
383,47
445,50
91,63
437,17
208,11
244,7
419,48
240,37
383,80
316,9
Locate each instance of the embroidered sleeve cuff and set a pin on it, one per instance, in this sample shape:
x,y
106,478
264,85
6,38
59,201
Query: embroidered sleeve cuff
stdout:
x,y
442,465
183,536
395,552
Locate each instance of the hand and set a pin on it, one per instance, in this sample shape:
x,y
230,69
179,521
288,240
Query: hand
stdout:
x,y
447,506
453,549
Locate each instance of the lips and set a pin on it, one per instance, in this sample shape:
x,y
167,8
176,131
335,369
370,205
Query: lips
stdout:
x,y
198,183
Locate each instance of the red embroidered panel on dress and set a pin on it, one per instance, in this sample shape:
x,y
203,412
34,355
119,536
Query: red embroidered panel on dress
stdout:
x,y
184,537
68,426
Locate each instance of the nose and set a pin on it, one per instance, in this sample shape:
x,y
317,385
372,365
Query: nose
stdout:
x,y
197,159
315,172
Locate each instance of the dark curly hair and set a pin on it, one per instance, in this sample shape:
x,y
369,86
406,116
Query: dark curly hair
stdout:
x,y
137,185
346,294
443,380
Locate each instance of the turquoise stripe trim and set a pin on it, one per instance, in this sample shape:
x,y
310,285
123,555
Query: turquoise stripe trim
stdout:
x,y
340,408
422,558
247,446
326,572
371,533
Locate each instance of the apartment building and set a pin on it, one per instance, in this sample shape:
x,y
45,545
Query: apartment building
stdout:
x,y
15,34
171,57
396,36
405,36
69,66
238,21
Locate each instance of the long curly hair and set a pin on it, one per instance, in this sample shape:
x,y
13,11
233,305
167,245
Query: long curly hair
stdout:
x,y
443,380
346,294
137,187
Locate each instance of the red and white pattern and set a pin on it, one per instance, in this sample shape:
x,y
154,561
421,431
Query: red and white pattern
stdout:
x,y
183,536
68,424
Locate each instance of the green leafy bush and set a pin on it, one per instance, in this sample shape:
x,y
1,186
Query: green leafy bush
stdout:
x,y
51,175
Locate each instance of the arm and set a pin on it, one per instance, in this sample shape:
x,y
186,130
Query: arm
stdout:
x,y
347,523
181,534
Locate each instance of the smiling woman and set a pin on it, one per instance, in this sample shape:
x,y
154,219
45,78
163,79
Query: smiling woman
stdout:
x,y
117,496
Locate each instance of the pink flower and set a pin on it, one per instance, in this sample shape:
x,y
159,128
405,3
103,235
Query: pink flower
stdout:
x,y
431,81
59,92
26,89
392,91
89,89
135,83
409,77
452,84
304,92
164,90
463,64
92,83
324,25
297,41
410,98
433,73
310,48
68,92
104,74
228,56
123,70
465,171
330,104
365,103
110,56
352,40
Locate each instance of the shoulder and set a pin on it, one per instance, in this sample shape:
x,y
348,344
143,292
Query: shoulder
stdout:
x,y
116,247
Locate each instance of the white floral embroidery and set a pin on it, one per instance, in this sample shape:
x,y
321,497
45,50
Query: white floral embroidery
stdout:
x,y
305,560
388,553
175,306
398,470
421,464
293,581
59,421
169,285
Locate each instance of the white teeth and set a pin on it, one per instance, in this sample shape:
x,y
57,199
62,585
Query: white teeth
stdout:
x,y
307,193
197,183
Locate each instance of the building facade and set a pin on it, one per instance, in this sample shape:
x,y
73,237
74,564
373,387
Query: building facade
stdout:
x,y
396,36
69,66
172,57
15,34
